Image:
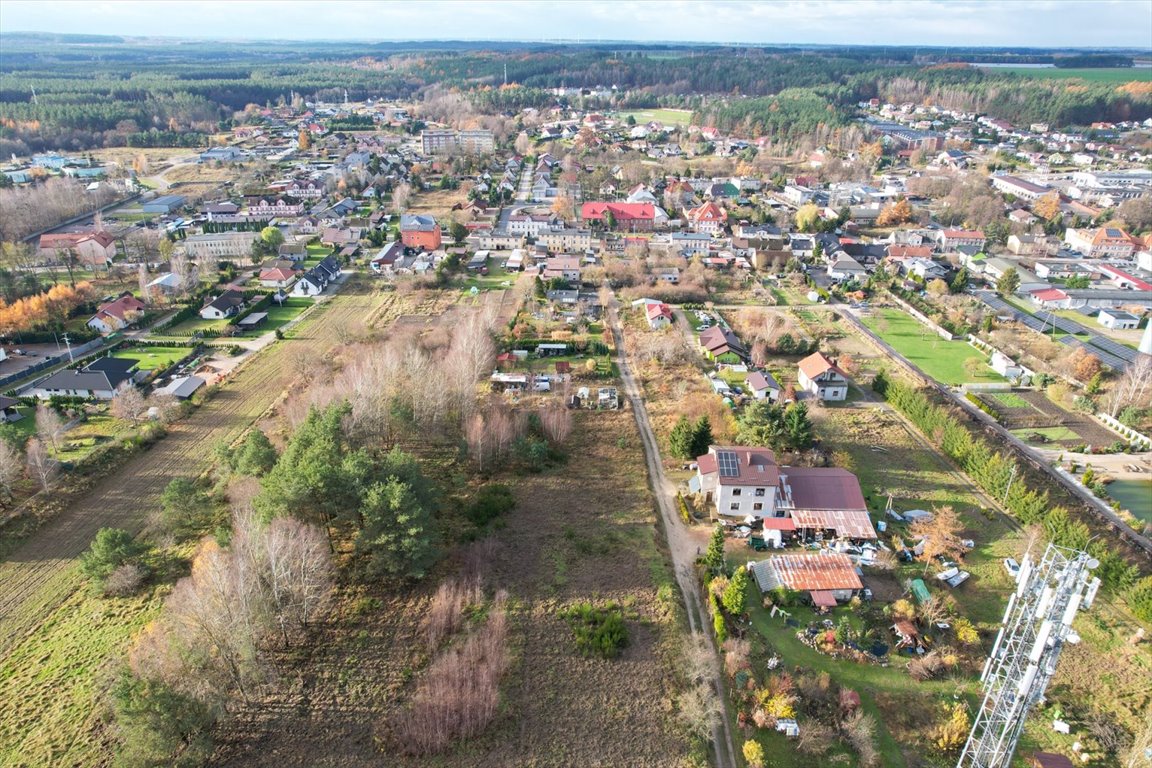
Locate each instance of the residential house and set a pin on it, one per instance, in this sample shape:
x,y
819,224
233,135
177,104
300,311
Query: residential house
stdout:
x,y
223,306
950,239
564,267
9,409
307,189
270,207
846,268
293,251
658,313
382,262
690,243
814,502
420,231
530,224
99,379
1023,217
317,279
820,376
277,274
722,346
670,275
829,578
118,314
708,217
762,386
94,249
564,239
627,217
1032,245
1118,320
1102,243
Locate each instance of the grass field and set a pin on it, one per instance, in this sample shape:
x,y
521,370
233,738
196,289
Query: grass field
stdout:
x,y
1104,75
940,359
1009,399
1055,434
152,357
681,117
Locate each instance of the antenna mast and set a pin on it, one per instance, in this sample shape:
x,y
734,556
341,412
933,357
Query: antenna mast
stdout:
x,y
1036,625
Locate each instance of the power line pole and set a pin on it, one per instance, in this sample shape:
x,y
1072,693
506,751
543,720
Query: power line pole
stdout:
x,y
68,343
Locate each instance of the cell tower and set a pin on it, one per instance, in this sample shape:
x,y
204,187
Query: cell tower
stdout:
x,y
1036,625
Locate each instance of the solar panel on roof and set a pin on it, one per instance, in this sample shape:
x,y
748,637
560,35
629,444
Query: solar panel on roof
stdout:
x,y
726,461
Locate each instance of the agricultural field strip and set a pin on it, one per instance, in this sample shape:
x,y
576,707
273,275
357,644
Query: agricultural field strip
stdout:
x,y
41,573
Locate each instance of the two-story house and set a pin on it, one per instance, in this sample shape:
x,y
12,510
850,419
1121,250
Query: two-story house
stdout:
x,y
820,376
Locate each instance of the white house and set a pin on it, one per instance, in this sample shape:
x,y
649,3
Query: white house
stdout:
x,y
1117,320
762,386
820,376
223,306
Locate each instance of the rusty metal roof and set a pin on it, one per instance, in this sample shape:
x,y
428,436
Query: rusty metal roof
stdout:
x,y
825,571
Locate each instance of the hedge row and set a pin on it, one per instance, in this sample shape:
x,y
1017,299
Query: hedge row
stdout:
x,y
995,472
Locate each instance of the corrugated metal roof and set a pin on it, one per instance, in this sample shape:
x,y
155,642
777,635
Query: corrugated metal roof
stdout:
x,y
807,572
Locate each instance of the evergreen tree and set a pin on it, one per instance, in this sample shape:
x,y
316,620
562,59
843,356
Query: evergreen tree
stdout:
x,y
713,560
960,282
701,437
736,592
111,548
797,426
680,440
397,533
256,456
1008,282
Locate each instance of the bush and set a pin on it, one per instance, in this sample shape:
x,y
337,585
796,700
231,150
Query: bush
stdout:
x,y
112,548
159,726
125,581
490,502
599,631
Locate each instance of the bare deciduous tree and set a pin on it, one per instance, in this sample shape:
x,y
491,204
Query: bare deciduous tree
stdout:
x,y
556,420
445,616
128,403
400,196
49,426
11,467
41,466
296,571
1134,388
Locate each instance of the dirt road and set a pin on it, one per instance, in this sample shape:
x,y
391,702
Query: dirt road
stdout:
x,y
39,575
683,544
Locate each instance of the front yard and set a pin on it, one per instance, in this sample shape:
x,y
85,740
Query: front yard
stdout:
x,y
945,361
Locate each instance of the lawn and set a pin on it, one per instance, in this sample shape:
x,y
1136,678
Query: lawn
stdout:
x,y
1055,434
496,279
279,314
153,357
940,359
1116,75
193,325
681,117
1009,399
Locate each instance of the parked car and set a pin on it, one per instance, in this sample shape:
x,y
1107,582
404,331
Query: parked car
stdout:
x,y
1012,567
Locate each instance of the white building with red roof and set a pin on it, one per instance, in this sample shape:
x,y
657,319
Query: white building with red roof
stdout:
x,y
117,314
708,217
819,376
746,482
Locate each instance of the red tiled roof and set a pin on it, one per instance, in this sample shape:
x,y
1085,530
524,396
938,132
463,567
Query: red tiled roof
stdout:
x,y
708,212
779,524
621,211
909,252
816,364
1049,294
122,307
963,234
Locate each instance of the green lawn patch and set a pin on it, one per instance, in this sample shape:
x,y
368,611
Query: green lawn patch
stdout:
x,y
151,358
1117,75
279,314
1055,434
940,359
680,117
1009,399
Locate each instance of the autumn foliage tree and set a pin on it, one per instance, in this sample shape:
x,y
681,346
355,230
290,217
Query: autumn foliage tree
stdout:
x,y
1047,207
894,214
44,310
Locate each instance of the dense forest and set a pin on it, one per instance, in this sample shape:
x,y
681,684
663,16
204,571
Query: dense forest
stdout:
x,y
135,95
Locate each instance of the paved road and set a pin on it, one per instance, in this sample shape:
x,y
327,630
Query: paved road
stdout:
x,y
683,544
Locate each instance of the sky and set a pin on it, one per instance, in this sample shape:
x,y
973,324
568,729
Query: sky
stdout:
x,y
1037,23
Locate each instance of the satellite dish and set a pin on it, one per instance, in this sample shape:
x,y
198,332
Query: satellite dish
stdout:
x,y
1093,564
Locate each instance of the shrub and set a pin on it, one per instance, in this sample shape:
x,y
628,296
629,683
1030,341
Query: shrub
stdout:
x,y
111,549
125,581
491,501
754,754
598,631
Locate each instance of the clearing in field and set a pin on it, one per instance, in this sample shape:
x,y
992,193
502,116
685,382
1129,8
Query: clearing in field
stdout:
x,y
945,361
680,117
